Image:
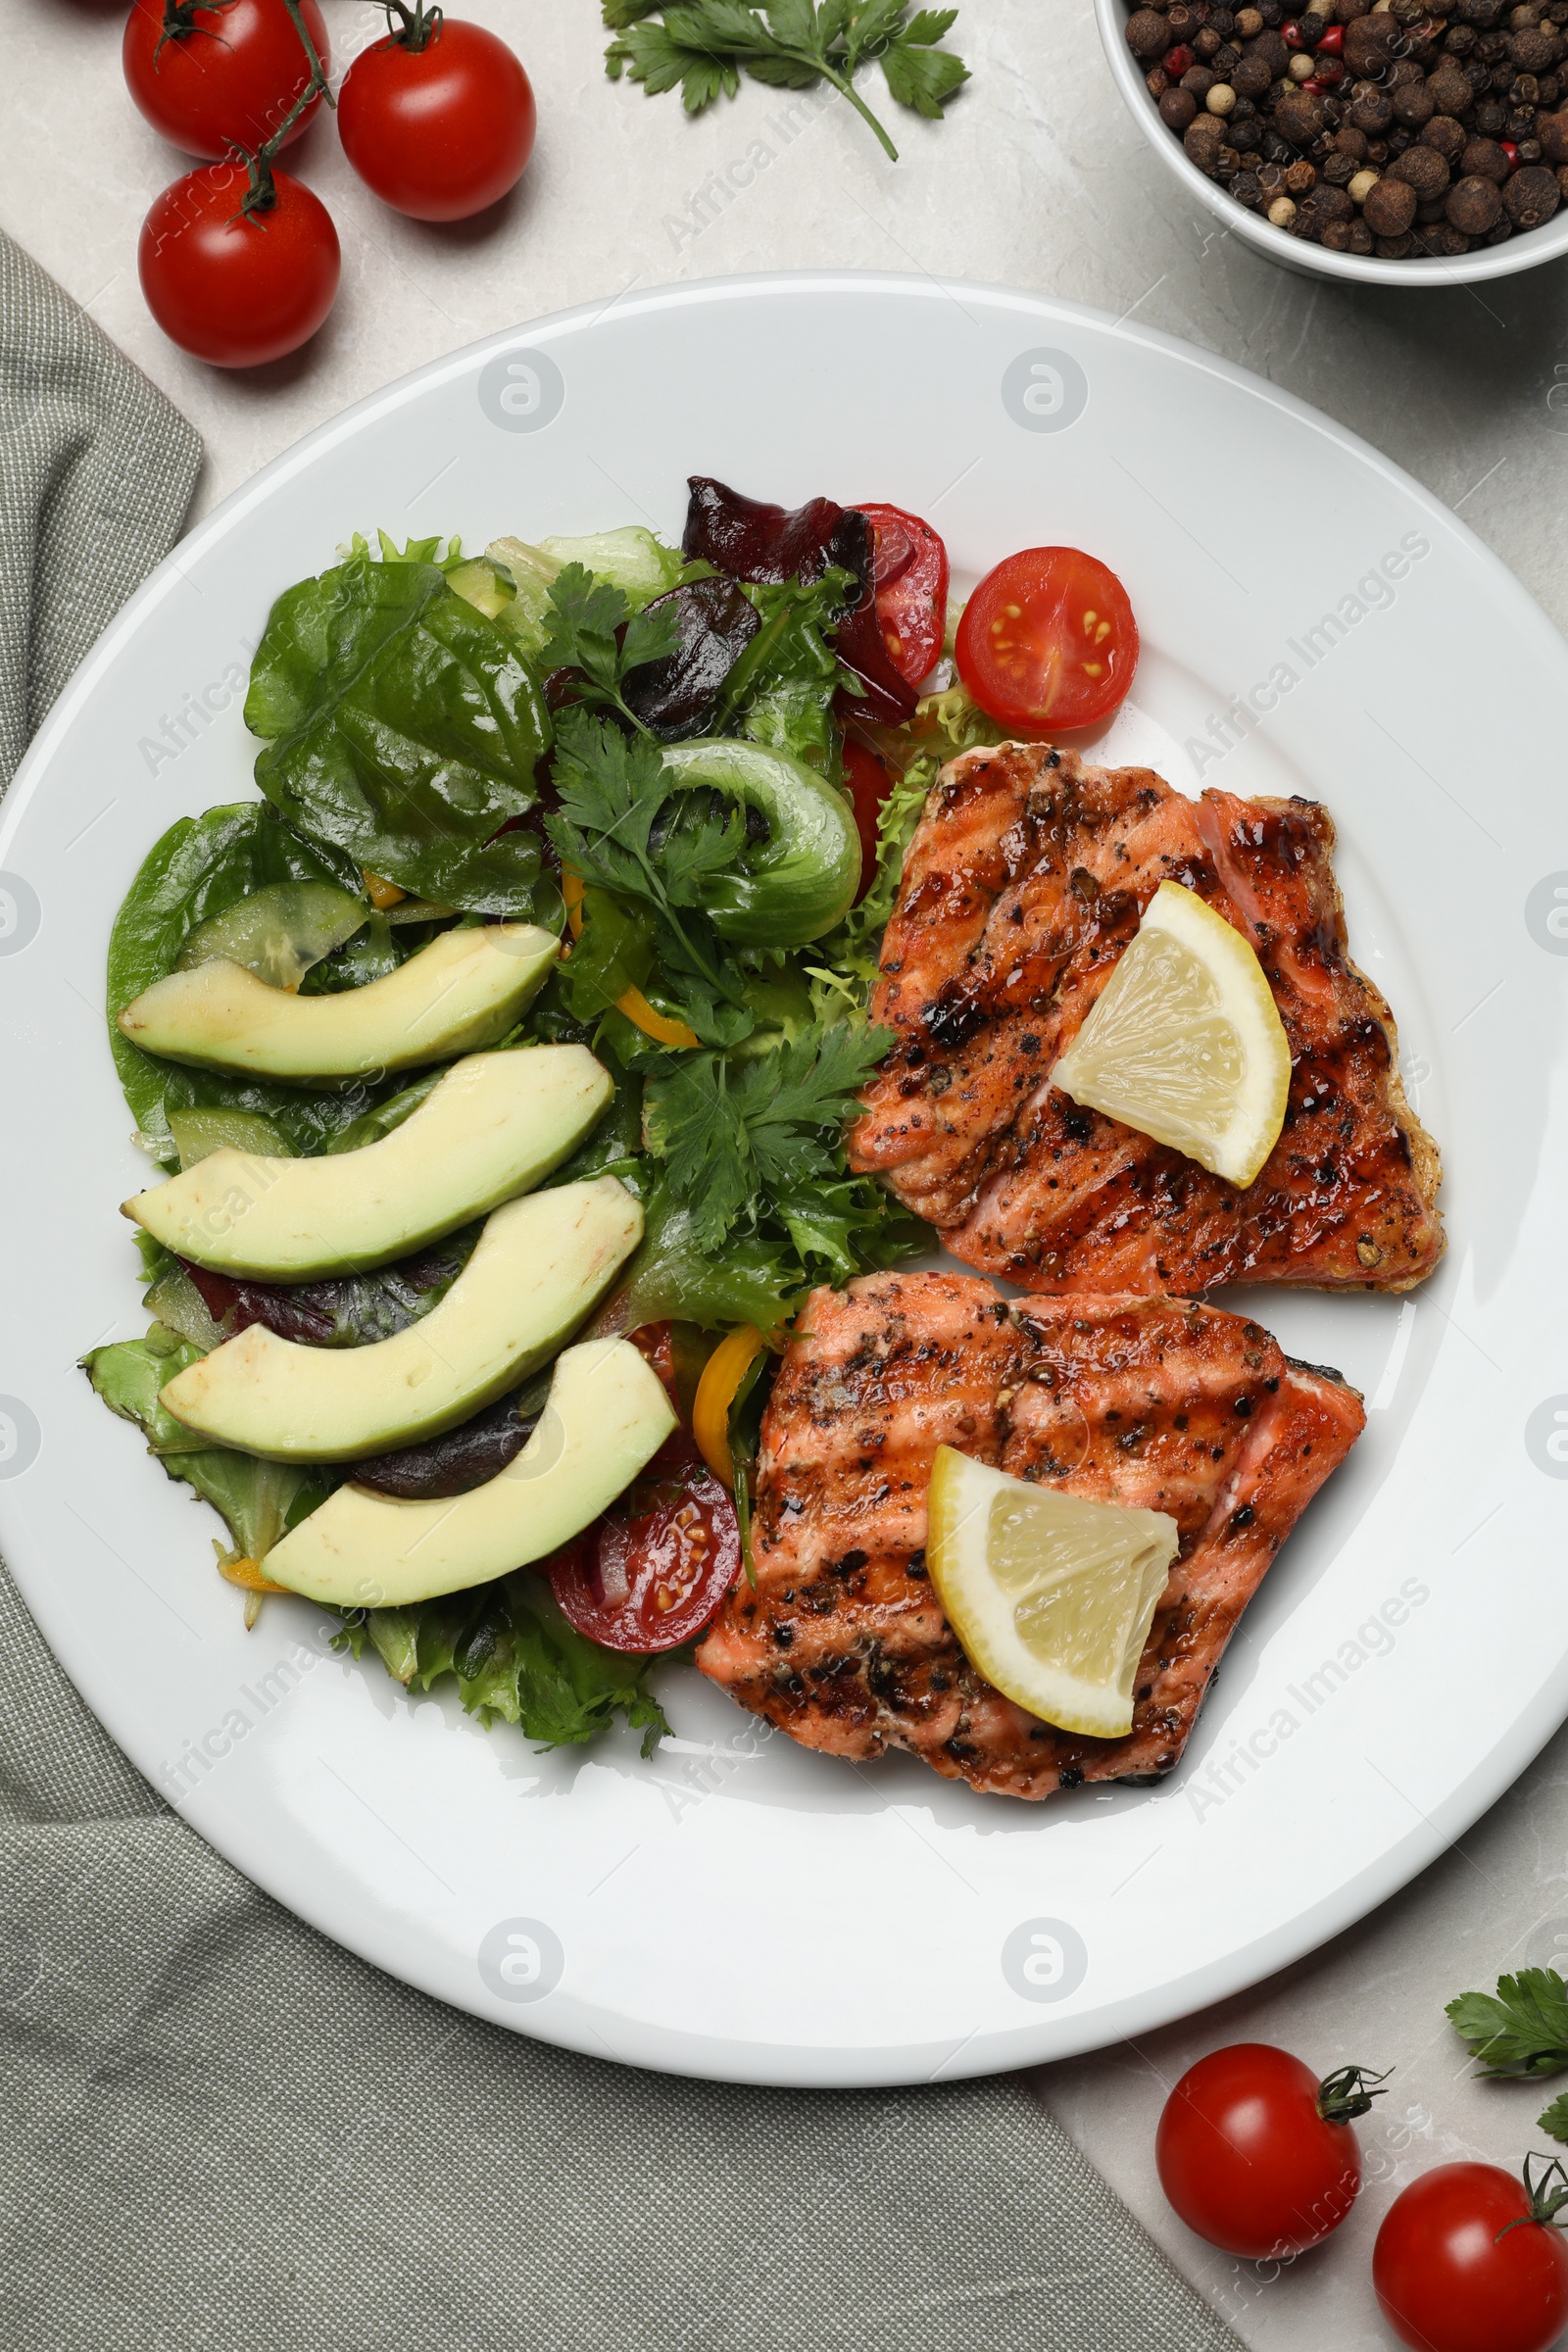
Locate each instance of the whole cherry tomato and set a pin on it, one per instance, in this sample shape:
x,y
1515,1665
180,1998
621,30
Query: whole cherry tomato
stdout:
x,y
212,80
236,288
438,119
910,572
1048,640
1257,2155
653,1571
1470,2259
869,784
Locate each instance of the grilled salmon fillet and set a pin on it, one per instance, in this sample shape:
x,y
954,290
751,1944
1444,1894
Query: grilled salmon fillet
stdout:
x,y
1027,877
1162,1404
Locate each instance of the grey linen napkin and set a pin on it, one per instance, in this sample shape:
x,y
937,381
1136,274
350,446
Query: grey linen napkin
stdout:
x,y
218,2127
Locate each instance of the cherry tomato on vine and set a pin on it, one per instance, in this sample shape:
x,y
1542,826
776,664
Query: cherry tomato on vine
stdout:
x,y
216,78
438,119
1257,2155
1469,2259
653,1571
869,784
910,572
236,288
1048,640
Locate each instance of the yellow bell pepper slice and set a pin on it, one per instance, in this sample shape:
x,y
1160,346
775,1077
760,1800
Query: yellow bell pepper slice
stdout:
x,y
246,1574
635,1004
722,1375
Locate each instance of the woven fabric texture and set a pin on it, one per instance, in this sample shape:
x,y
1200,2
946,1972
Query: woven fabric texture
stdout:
x,y
96,473
221,2130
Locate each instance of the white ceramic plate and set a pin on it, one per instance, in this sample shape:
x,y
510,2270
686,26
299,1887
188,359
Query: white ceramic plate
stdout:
x,y
737,1908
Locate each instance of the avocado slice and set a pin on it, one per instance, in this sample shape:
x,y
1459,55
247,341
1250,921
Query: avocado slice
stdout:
x,y
465,989
490,1127
539,1266
607,1417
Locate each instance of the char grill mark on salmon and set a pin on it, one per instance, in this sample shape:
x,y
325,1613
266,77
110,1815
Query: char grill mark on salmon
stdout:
x,y
1160,1403
1027,877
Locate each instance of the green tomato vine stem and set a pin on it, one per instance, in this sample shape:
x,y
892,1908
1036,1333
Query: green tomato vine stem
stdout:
x,y
413,28
261,195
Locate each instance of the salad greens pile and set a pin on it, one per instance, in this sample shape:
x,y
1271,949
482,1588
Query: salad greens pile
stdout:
x,y
450,739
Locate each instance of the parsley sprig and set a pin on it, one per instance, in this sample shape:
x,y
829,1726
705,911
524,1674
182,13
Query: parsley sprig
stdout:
x,y
594,631
612,789
704,47
731,1131
1519,2032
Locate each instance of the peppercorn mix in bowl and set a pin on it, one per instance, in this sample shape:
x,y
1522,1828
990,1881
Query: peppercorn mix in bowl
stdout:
x,y
1377,140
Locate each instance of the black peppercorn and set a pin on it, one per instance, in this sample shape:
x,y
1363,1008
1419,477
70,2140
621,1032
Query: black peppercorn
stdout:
x,y
1532,196
1369,112
1446,136
1533,52
1473,205
1484,157
1390,208
1449,90
1414,105
1424,170
1298,117
1149,34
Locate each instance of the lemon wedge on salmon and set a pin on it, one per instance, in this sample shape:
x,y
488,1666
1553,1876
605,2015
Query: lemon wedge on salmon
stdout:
x,y
1051,1597
1185,1042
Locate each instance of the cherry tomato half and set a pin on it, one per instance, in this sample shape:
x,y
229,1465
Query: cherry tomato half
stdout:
x,y
653,1571
235,290
1248,2158
1048,640
212,80
442,132
1452,2276
910,572
869,783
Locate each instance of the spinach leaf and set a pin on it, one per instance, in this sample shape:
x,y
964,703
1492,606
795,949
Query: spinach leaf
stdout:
x,y
201,866
403,728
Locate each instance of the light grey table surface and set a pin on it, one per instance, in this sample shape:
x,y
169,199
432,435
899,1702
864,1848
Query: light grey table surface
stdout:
x,y
1037,180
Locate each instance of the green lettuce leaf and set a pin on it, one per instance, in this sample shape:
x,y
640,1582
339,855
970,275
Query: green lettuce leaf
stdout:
x,y
780,692
403,727
675,1275
259,1501
514,1659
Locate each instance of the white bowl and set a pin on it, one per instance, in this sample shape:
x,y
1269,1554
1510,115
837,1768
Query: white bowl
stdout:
x,y
1522,252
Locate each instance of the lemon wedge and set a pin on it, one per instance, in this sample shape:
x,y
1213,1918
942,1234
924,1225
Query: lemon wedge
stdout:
x,y
1185,1042
1051,1597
